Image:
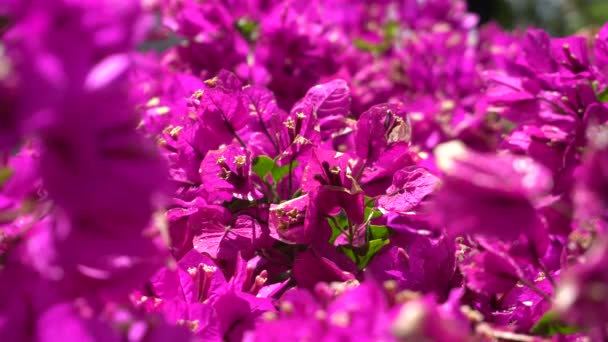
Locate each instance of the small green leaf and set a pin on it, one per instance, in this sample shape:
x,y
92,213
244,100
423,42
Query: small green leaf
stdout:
x,y
279,172
389,34
371,213
378,232
5,174
602,96
364,45
262,165
374,246
298,193
370,202
248,28
349,252
339,224
550,324
391,30
364,254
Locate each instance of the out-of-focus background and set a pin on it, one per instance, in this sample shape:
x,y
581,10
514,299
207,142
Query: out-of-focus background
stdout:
x,y
559,17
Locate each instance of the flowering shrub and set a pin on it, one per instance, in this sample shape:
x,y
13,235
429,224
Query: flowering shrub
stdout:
x,y
296,171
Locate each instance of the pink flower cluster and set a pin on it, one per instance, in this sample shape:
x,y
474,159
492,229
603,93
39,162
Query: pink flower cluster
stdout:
x,y
299,171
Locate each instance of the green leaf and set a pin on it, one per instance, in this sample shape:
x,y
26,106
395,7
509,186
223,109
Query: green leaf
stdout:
x,y
391,30
279,172
339,223
374,246
364,45
602,96
349,252
378,232
370,202
389,33
248,28
364,254
371,213
262,165
5,174
298,193
550,324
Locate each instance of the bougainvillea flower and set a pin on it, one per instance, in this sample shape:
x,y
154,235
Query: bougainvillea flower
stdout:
x,y
71,323
483,193
309,269
119,161
286,220
490,272
582,297
285,170
600,49
523,306
312,51
422,318
215,43
416,263
327,167
590,195
379,127
194,279
239,312
410,186
225,174
217,234
297,308
265,121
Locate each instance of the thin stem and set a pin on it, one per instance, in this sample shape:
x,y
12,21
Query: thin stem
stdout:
x,y
556,107
333,219
547,273
371,200
235,134
369,154
535,288
541,265
290,181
